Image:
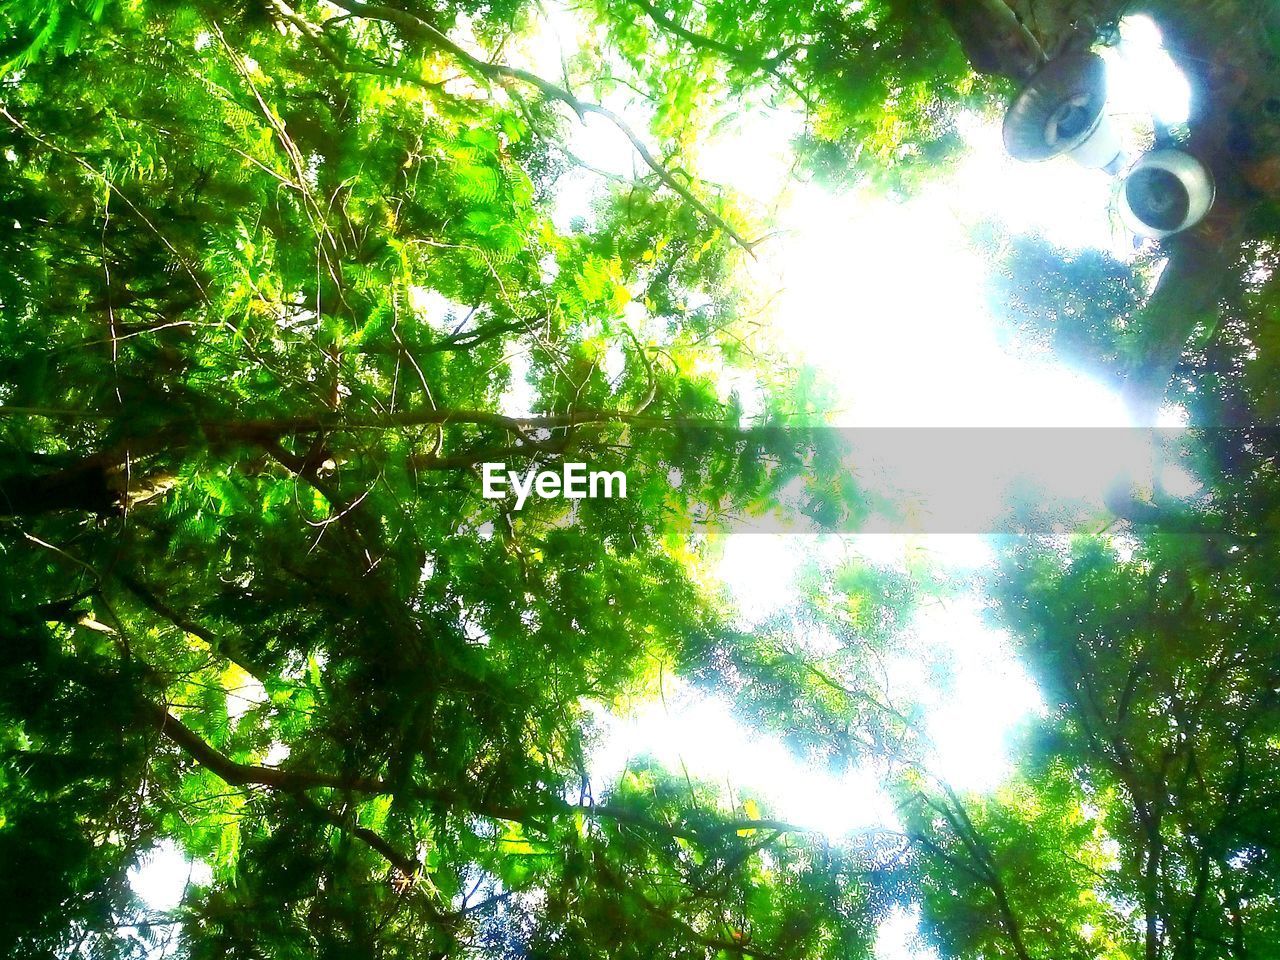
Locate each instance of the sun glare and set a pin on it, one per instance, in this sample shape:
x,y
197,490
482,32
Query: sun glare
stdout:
x,y
700,736
908,340
162,878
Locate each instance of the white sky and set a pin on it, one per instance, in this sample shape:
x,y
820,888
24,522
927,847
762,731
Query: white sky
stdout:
x,y
887,299
702,734
163,875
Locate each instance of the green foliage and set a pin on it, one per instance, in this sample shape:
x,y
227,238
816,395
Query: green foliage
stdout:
x,y
882,83
1016,874
1162,676
268,278
1080,306
277,277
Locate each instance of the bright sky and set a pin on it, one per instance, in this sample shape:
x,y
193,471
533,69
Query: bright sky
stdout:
x,y
888,300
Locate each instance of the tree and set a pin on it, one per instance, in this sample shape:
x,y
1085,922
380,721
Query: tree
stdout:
x,y
1165,685
270,268
269,271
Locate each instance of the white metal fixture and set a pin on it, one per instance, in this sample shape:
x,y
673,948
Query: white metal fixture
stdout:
x,y
1062,111
1166,192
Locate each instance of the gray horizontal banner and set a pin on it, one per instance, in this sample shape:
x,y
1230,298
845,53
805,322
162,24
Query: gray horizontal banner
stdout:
x,y
911,480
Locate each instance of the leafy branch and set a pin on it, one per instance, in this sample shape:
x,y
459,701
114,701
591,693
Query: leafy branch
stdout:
x,y
418,29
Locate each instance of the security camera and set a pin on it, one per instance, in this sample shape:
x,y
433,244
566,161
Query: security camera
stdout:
x,y
1062,111
1167,191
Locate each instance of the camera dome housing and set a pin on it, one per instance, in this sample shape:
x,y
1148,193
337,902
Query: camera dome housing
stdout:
x,y
1062,111
1167,191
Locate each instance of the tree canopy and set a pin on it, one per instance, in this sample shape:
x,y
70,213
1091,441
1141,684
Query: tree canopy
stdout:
x,y
280,277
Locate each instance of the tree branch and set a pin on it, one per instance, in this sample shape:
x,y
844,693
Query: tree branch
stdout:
x,y
219,645
247,774
418,29
298,781
993,38
744,59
